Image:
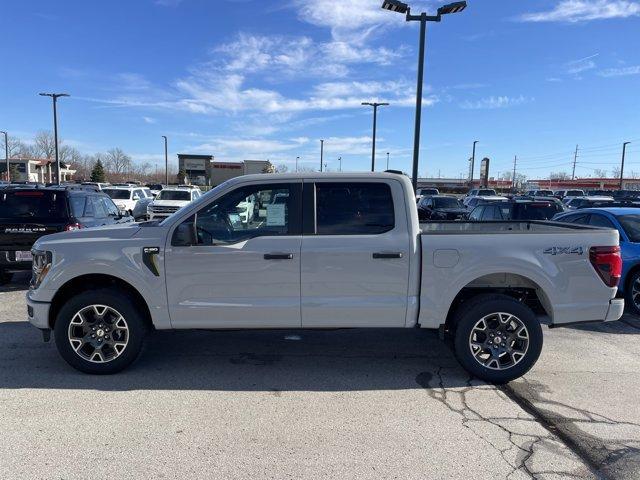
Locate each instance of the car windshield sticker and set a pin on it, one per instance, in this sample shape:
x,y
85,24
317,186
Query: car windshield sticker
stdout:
x,y
275,215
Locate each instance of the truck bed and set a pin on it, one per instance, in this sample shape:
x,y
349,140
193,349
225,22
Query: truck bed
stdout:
x,y
500,227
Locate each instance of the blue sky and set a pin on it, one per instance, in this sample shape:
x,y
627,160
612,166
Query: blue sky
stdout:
x,y
262,79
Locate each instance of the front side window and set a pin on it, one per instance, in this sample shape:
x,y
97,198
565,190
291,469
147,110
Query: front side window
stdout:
x,y
354,209
245,213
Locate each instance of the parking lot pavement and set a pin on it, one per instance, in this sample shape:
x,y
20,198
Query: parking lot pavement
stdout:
x,y
326,404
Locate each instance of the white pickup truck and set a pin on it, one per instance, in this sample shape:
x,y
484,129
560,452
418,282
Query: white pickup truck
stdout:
x,y
322,251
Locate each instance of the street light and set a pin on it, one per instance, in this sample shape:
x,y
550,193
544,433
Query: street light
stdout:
x,y
297,158
387,160
340,160
54,98
321,153
624,150
375,106
6,154
473,162
423,18
166,162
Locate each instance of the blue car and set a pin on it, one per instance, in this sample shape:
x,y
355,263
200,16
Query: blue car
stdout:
x,y
627,222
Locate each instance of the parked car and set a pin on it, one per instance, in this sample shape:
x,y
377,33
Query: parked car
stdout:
x,y
423,192
479,192
539,193
627,222
345,251
473,202
155,188
169,201
440,207
517,209
26,214
98,185
126,198
560,194
573,203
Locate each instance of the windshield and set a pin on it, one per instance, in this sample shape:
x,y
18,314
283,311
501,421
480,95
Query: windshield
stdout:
x,y
575,193
445,203
631,226
30,206
545,193
486,192
535,211
174,195
118,194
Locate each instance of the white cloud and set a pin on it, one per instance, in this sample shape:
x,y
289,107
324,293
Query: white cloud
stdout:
x,y
149,119
620,72
581,65
495,102
574,11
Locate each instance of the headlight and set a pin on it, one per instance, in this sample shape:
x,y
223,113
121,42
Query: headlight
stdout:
x,y
41,265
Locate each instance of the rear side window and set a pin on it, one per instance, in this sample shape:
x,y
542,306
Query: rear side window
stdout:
x,y
354,209
77,205
33,205
600,221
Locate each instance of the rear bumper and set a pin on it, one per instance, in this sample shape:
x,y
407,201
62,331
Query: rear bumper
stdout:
x,y
616,309
38,313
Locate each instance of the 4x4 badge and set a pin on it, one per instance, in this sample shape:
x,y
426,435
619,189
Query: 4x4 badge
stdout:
x,y
563,251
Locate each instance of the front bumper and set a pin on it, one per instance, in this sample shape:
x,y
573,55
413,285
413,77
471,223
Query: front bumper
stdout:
x,y
9,263
38,313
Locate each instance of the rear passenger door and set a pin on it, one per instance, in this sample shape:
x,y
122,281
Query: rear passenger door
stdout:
x,y
355,255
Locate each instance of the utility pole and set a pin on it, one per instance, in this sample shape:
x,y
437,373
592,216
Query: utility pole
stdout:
x,y
513,179
54,97
6,154
166,162
575,158
375,106
473,162
624,150
321,153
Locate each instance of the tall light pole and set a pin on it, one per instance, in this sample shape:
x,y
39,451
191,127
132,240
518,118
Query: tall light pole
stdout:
x,y
54,98
6,154
166,162
297,158
473,162
375,106
321,153
423,18
624,150
340,160
387,160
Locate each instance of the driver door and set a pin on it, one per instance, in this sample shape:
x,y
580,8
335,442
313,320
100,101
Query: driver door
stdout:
x,y
236,262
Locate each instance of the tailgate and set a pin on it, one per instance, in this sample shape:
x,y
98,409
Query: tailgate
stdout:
x,y
21,236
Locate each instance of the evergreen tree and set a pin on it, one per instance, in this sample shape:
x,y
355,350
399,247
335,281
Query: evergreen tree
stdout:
x,y
97,174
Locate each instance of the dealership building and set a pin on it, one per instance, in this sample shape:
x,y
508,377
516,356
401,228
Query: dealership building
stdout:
x,y
204,170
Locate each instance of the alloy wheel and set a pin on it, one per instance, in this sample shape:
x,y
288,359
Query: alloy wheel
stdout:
x,y
98,333
499,341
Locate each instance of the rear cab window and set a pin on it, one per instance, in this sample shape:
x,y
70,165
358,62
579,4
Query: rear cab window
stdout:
x,y
358,208
33,206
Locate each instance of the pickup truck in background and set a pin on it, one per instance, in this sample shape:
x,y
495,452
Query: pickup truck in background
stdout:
x,y
338,251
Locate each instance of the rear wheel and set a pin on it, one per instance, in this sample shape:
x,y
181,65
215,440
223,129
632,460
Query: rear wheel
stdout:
x,y
632,293
99,332
497,338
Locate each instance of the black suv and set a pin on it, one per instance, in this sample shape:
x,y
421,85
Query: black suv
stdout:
x,y
517,209
27,214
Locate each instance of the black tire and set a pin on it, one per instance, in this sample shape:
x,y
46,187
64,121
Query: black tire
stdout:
x,y
628,294
109,297
479,307
5,277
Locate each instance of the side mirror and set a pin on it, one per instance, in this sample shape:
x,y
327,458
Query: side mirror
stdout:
x,y
185,234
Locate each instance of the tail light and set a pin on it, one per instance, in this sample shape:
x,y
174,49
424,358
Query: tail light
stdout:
x,y
608,263
73,226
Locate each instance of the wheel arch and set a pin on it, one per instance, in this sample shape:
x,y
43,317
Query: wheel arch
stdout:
x,y
517,286
89,282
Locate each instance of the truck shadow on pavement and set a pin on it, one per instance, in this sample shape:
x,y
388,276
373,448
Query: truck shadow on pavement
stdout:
x,y
269,360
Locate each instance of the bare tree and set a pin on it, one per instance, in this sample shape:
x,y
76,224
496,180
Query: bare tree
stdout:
x,y
17,148
615,172
600,173
559,176
44,145
282,168
118,162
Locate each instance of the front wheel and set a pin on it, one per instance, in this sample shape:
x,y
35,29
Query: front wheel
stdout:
x,y
497,338
99,332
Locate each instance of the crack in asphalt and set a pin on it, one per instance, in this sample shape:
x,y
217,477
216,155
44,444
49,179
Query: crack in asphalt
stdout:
x,y
618,457
523,447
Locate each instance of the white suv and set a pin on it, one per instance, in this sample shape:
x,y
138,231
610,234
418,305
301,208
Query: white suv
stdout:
x,y
126,198
170,200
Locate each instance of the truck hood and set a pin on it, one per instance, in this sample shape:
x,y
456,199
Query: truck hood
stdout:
x,y
109,232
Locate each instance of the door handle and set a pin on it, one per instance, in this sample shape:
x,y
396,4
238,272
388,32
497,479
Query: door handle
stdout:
x,y
278,256
380,255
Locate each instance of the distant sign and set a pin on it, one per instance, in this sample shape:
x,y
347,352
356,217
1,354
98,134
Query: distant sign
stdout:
x,y
195,164
484,172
